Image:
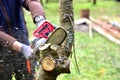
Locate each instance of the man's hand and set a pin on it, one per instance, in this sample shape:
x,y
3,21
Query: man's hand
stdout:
x,y
26,51
38,20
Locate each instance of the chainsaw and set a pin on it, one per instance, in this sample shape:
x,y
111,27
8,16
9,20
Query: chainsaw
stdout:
x,y
47,33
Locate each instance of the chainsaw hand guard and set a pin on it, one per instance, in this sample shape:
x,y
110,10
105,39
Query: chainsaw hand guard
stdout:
x,y
43,30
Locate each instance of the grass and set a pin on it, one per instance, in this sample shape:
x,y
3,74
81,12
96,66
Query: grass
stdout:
x,y
98,58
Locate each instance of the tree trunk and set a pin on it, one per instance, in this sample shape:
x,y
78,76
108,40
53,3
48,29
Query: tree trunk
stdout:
x,y
94,2
88,0
46,1
67,21
41,1
118,0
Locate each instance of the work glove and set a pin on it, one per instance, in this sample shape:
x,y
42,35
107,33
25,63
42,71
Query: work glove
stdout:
x,y
38,20
26,51
23,48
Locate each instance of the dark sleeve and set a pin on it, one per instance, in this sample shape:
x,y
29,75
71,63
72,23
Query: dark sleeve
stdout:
x,y
6,40
35,8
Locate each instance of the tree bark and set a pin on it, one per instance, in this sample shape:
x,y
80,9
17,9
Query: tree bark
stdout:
x,y
67,21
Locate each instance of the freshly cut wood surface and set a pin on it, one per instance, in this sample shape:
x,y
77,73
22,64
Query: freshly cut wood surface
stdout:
x,y
48,64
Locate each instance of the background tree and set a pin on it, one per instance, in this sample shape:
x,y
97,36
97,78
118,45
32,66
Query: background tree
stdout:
x,y
94,2
118,0
46,1
41,1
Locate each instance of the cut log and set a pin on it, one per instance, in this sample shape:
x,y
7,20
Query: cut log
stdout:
x,y
53,62
48,64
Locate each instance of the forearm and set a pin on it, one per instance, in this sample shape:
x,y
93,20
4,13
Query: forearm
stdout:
x,y
17,46
6,40
9,42
35,8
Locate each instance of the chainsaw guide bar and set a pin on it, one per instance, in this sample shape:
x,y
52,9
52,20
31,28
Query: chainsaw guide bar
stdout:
x,y
57,37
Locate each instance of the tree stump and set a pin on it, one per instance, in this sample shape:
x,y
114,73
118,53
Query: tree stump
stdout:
x,y
53,61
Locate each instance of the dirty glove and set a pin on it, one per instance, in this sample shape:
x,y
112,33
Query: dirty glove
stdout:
x,y
26,51
22,48
38,20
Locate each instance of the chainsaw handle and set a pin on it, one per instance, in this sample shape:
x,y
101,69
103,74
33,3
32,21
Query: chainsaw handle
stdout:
x,y
42,31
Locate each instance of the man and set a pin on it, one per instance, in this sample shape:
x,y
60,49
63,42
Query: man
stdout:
x,y
15,48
